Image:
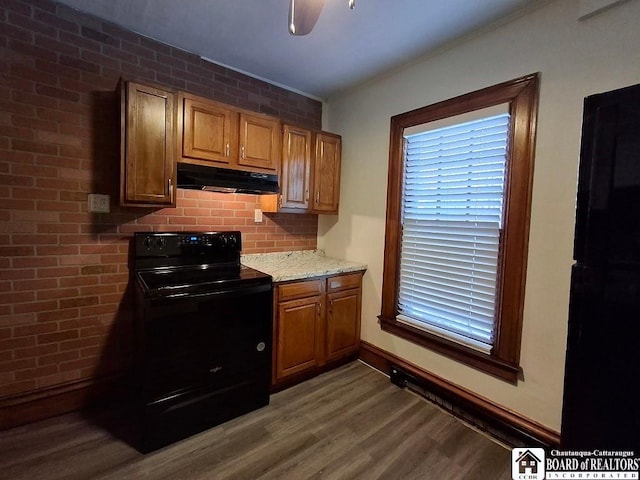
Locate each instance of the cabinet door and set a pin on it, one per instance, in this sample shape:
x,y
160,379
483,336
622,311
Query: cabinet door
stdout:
x,y
147,146
209,131
298,336
259,142
343,323
296,168
326,173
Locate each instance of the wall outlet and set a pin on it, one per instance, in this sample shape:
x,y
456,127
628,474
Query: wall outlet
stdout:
x,y
257,215
98,203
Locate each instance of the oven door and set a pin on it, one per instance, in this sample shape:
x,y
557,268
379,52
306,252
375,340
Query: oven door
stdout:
x,y
203,359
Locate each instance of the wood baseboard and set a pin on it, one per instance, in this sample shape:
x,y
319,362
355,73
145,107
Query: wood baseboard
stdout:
x,y
37,405
531,433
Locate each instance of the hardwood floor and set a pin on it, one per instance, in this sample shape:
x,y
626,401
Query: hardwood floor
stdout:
x,y
350,423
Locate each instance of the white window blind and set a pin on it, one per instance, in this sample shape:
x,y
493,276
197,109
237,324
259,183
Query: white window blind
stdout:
x,y
452,205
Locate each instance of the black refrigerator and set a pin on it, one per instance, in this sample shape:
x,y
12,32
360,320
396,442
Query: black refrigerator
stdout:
x,y
601,408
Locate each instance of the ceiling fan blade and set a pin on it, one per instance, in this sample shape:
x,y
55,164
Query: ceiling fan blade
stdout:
x,y
303,15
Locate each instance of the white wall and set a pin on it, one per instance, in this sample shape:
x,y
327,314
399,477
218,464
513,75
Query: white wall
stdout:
x,y
575,59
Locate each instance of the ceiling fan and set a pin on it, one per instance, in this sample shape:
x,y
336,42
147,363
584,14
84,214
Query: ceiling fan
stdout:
x,y
303,15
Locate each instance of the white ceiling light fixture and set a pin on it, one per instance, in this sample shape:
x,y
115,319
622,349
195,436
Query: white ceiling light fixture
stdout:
x,y
303,15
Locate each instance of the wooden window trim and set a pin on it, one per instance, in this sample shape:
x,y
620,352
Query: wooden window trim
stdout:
x,y
522,96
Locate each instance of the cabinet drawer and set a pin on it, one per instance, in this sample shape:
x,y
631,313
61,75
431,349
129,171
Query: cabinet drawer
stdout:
x,y
343,282
290,291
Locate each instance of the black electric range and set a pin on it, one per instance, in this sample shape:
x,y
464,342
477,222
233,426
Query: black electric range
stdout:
x,y
204,333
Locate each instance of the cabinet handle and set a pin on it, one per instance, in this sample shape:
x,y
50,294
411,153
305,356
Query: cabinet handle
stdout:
x,y
226,149
242,150
307,195
280,201
318,196
170,182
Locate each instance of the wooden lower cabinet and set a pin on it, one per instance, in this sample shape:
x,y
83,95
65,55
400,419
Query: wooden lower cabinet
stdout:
x,y
316,326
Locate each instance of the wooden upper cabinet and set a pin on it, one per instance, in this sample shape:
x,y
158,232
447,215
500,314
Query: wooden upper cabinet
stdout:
x,y
326,173
147,147
208,130
295,173
259,142
213,133
309,174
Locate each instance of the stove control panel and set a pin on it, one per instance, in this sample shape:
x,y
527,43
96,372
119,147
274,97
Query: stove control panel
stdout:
x,y
150,244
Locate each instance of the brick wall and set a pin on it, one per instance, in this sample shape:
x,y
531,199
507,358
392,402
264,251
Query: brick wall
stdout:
x,y
65,314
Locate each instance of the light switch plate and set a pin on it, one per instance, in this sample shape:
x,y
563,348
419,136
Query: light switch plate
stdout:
x,y
97,203
257,215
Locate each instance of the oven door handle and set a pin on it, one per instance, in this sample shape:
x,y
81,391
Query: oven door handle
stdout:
x,y
230,292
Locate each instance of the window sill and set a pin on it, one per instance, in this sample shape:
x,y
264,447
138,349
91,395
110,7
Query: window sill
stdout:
x,y
486,363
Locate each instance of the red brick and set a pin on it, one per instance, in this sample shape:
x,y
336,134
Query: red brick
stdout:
x,y
31,122
78,281
61,185
57,293
58,70
77,364
36,329
34,284
34,262
58,228
15,343
59,116
57,337
58,272
55,21
58,315
37,75
18,33
82,342
31,373
31,352
35,307
7,389
57,250
97,310
32,50
16,251
56,358
34,239
20,364
78,302
57,378
60,139
99,289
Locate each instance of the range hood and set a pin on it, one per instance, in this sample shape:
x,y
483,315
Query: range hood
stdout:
x,y
214,179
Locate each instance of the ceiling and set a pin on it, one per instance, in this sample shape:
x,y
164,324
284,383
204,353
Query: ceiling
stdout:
x,y
346,47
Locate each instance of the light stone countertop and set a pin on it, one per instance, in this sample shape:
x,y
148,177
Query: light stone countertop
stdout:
x,y
297,265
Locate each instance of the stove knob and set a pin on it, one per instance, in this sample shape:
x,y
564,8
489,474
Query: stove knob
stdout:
x,y
233,241
160,242
223,240
148,242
